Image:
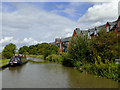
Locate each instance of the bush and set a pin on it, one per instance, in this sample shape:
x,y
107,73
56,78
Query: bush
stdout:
x,y
55,58
77,64
37,56
78,49
49,58
105,46
105,70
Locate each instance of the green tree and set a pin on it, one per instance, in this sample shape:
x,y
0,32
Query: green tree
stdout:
x,y
104,47
78,50
9,50
23,50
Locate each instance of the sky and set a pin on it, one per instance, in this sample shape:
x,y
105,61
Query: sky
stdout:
x,y
30,23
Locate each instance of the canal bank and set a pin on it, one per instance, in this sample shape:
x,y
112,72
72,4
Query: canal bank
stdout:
x,y
51,75
109,71
4,63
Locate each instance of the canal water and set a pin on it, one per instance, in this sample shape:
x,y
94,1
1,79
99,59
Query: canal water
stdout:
x,y
51,75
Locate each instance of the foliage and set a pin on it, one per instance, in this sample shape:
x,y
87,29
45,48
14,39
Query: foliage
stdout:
x,y
105,46
44,49
96,56
67,61
79,51
9,50
36,56
23,50
118,72
105,70
55,58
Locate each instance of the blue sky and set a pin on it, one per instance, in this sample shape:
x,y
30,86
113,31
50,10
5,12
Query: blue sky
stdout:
x,y
80,8
28,23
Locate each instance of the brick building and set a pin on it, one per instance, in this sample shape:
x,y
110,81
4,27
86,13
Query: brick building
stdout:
x,y
63,43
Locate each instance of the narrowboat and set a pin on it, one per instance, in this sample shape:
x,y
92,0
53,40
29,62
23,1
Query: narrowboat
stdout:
x,y
18,59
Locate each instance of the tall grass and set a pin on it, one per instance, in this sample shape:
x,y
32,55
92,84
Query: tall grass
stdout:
x,y
36,56
55,58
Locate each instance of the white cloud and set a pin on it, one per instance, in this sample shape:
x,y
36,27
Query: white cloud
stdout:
x,y
26,41
100,13
30,41
6,39
28,21
30,25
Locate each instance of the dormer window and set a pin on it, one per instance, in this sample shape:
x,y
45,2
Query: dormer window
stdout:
x,y
95,32
107,28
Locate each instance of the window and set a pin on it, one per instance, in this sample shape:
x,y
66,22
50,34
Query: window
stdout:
x,y
111,27
107,28
95,32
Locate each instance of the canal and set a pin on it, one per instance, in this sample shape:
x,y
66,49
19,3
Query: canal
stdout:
x,y
40,74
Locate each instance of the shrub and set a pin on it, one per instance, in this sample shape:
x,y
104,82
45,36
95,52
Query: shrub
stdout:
x,y
37,56
77,64
105,46
49,58
55,58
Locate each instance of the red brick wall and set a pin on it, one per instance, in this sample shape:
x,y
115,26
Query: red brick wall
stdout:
x,y
68,45
61,48
116,30
74,34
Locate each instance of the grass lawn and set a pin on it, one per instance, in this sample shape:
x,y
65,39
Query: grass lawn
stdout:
x,y
4,62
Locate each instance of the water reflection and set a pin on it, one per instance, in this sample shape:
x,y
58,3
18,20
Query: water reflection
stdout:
x,y
85,80
51,75
16,69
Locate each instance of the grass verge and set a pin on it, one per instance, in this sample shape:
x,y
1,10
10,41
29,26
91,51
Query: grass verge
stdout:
x,y
4,62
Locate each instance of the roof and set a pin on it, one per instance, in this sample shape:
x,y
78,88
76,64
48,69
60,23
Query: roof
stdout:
x,y
113,27
53,43
92,31
57,39
66,39
112,23
63,39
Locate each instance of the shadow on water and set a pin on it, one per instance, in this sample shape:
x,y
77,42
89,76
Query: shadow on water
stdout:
x,y
16,69
29,59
